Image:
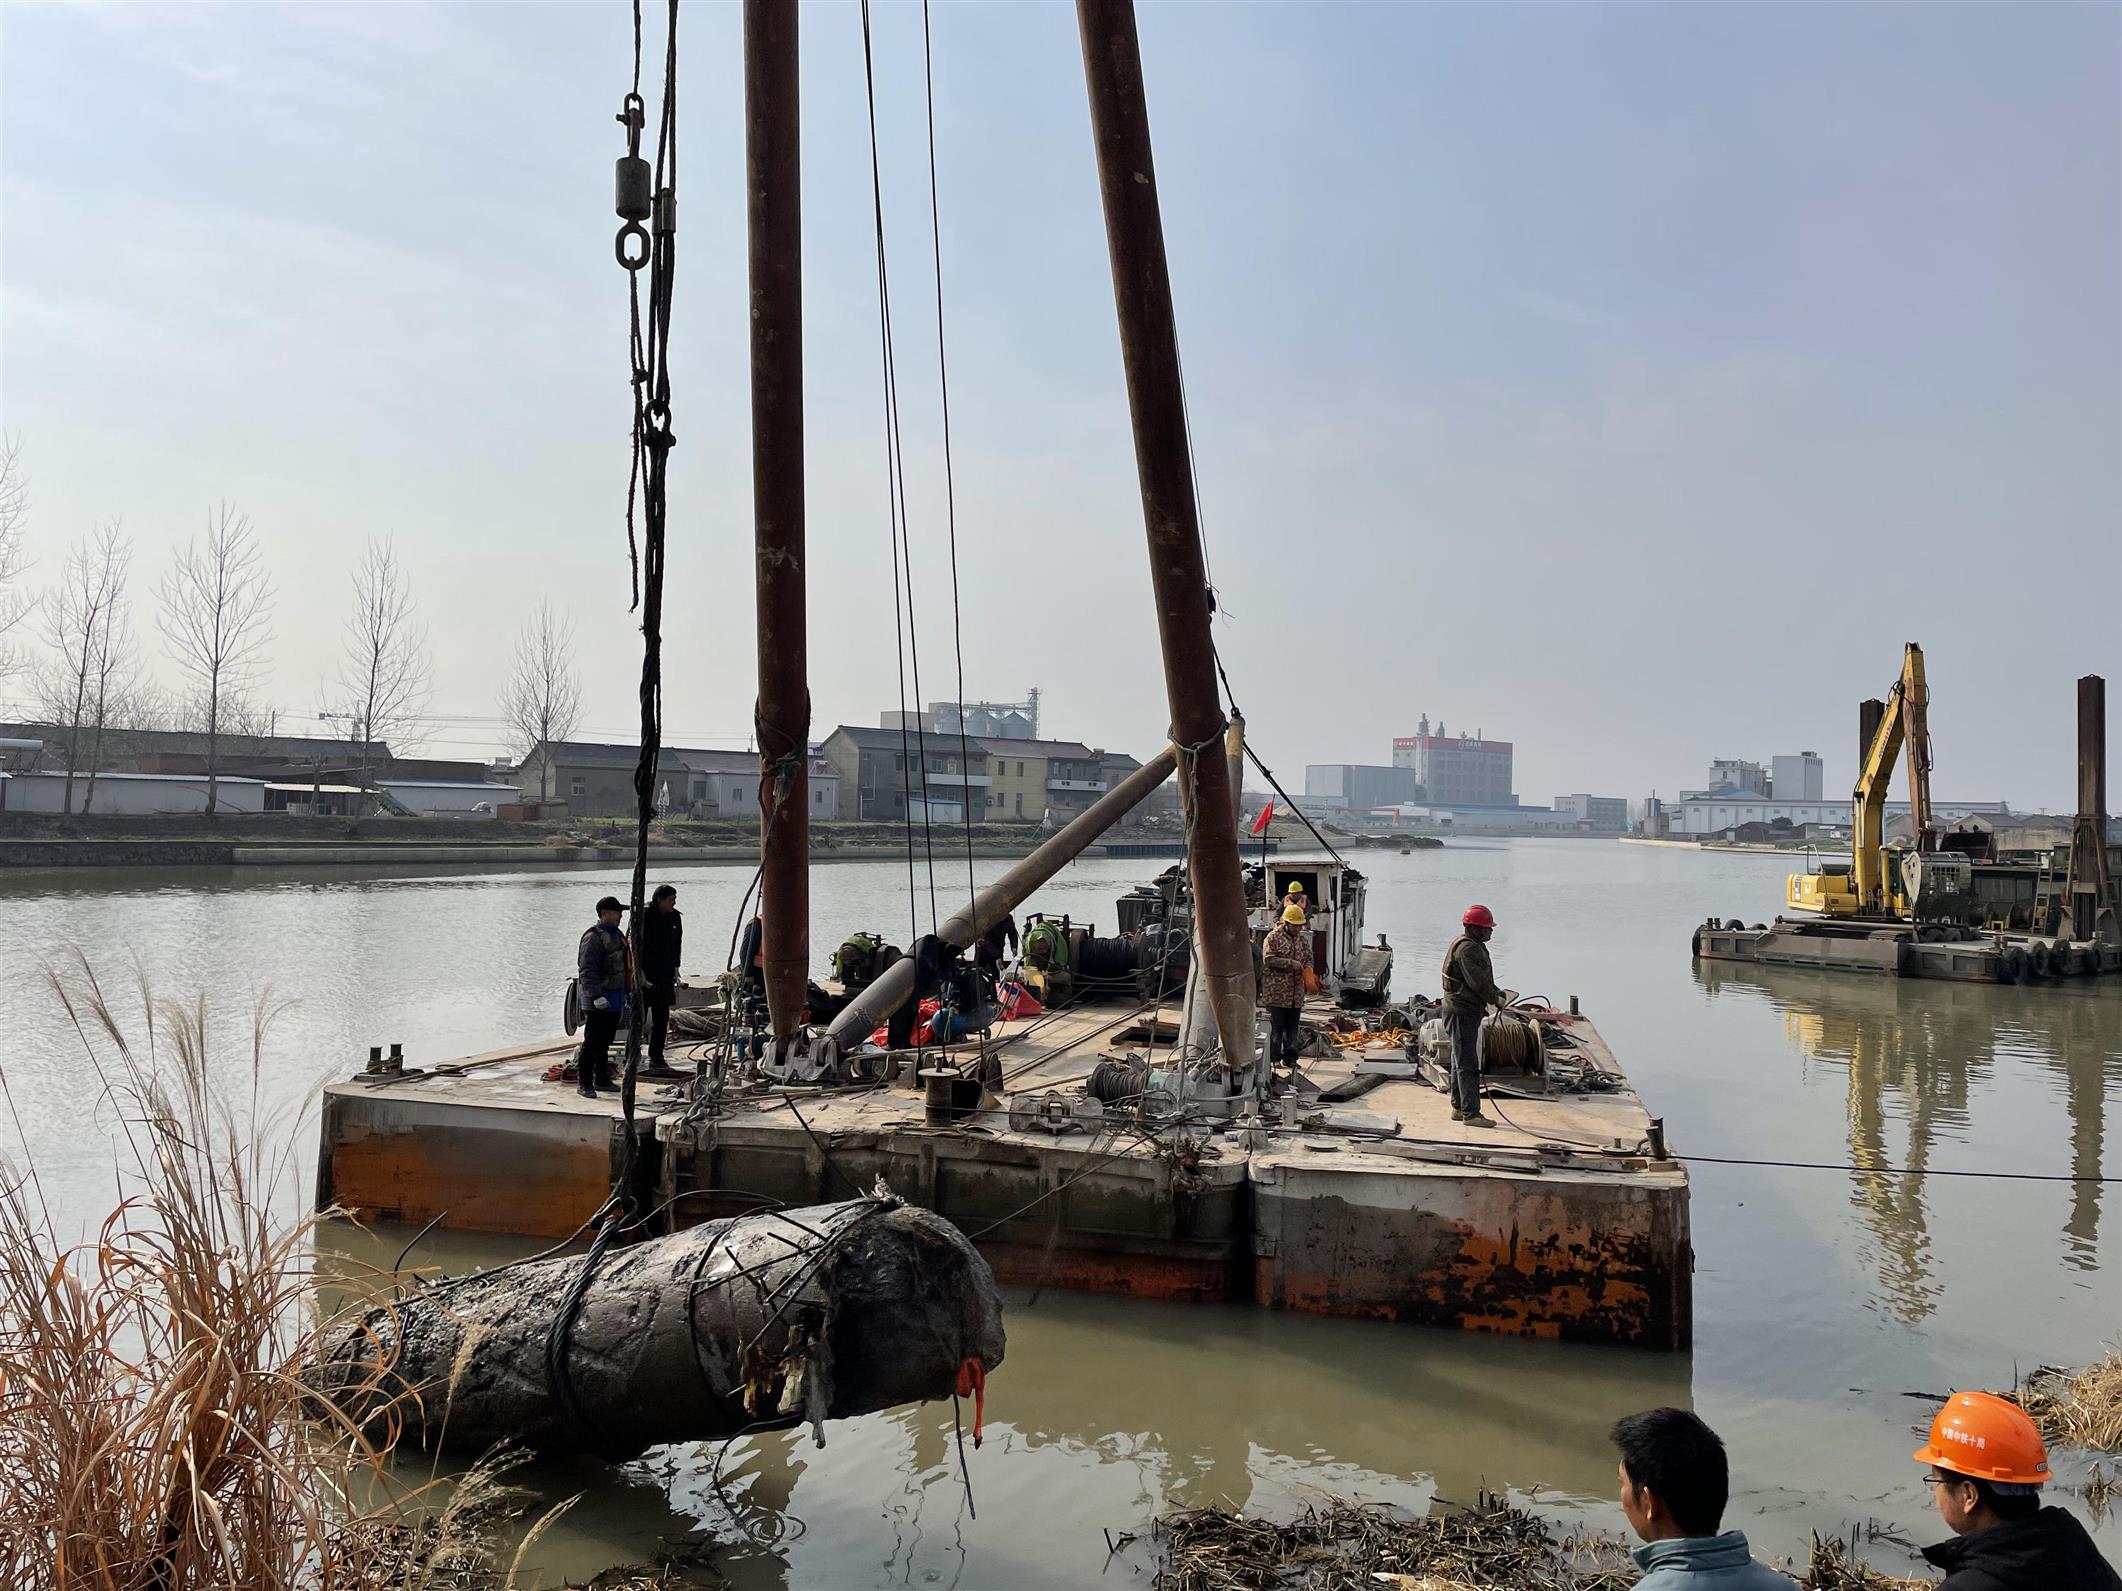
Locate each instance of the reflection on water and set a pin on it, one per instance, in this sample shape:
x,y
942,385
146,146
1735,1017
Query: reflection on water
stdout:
x,y
1913,1050
1822,1297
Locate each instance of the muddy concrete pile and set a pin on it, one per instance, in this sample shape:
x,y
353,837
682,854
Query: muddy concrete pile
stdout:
x,y
759,1322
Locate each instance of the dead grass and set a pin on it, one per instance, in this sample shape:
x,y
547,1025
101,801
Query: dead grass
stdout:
x,y
1834,1567
2077,1408
1340,1546
155,1434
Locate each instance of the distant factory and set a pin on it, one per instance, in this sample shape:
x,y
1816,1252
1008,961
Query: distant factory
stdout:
x,y
1442,782
1785,793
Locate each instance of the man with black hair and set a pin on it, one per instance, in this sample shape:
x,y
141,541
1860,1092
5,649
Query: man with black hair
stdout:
x,y
1675,1481
1986,1467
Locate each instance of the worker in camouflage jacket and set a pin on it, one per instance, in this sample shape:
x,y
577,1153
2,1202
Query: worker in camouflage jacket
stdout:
x,y
1283,960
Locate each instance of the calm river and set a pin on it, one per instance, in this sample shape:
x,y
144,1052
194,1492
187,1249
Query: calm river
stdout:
x,y
1823,1297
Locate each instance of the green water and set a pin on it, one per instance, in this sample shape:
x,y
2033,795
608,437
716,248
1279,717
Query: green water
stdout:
x,y
1823,1298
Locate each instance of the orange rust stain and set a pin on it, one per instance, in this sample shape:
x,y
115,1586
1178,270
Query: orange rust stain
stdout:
x,y
1568,1281
544,1190
1130,1275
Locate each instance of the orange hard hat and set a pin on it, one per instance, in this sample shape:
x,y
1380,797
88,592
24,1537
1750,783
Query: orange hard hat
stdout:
x,y
1986,1438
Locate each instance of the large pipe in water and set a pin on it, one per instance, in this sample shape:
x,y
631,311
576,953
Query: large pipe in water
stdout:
x,y
892,987
1149,346
753,1323
774,224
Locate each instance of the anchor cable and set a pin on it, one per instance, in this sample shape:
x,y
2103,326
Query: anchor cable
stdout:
x,y
649,351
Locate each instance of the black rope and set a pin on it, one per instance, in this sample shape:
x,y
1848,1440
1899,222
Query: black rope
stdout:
x,y
950,488
1291,802
649,351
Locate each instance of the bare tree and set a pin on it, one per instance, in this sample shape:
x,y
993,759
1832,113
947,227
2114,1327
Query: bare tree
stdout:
x,y
214,623
384,680
14,561
87,627
541,701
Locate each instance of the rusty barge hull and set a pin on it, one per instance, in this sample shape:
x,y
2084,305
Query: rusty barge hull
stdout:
x,y
1528,1228
1894,951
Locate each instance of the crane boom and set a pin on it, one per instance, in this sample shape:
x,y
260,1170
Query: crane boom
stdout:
x,y
1903,728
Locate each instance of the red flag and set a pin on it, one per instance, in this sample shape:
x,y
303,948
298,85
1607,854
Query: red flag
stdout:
x,y
1266,814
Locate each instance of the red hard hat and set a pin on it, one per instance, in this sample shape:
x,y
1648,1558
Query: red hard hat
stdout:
x,y
1478,917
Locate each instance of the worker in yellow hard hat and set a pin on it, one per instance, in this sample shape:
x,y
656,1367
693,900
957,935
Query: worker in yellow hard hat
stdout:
x,y
1987,1466
1284,958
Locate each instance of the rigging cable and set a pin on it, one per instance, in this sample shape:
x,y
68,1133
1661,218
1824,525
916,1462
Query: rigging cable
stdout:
x,y
649,354
908,635
950,489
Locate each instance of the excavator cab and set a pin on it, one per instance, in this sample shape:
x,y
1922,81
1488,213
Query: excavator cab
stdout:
x,y
1826,890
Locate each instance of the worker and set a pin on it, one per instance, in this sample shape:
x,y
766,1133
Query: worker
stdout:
x,y
1987,1468
991,947
751,960
1469,991
1283,960
662,938
604,973
1675,1481
1296,896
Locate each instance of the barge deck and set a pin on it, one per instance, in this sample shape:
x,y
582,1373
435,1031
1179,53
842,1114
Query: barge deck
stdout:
x,y
1364,1198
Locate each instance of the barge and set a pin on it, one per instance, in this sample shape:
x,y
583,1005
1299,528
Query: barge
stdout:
x,y
1071,1149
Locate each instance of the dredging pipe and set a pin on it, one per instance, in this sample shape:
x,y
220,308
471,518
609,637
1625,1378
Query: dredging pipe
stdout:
x,y
896,983
757,1322
1149,346
774,228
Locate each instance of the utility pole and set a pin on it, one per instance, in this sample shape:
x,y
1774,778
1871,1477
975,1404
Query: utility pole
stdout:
x,y
1149,346
774,223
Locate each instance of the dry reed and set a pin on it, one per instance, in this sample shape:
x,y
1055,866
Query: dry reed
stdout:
x,y
2077,1408
154,1432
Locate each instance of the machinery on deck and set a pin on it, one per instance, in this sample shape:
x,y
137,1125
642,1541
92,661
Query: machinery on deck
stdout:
x,y
1924,881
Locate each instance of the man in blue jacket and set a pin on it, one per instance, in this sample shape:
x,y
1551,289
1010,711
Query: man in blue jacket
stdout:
x,y
1674,1484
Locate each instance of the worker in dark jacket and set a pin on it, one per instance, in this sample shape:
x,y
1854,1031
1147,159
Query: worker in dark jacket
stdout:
x,y
998,943
604,974
662,938
1284,956
1987,1465
1469,991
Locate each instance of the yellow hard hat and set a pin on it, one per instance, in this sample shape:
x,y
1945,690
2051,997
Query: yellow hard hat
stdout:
x,y
1296,887
1293,914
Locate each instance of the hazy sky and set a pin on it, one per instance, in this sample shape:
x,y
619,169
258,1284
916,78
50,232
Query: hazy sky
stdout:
x,y
1627,380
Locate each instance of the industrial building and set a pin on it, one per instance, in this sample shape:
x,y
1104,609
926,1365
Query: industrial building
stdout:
x,y
1335,786
1596,814
1457,770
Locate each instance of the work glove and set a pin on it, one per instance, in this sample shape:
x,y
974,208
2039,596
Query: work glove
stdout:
x,y
600,1004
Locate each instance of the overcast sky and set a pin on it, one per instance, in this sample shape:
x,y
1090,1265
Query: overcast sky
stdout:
x,y
1625,380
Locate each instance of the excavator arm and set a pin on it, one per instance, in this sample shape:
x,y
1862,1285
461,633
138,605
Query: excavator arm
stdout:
x,y
1868,800
1903,727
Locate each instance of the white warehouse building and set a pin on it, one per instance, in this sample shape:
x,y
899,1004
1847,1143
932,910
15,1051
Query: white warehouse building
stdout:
x,y
127,794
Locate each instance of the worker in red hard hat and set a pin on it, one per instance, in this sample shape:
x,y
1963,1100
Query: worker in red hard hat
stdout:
x,y
1987,1466
1469,991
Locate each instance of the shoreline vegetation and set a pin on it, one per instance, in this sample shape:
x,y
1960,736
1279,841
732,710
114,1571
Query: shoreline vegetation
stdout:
x,y
156,1432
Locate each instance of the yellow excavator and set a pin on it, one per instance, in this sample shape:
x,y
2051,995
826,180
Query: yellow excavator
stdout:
x,y
1877,882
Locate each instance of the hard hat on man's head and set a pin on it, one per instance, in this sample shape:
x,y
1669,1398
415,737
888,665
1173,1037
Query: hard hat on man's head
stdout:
x,y
1478,917
1987,1438
1293,914
1296,887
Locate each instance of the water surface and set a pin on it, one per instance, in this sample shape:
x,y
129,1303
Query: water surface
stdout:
x,y
1823,1298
